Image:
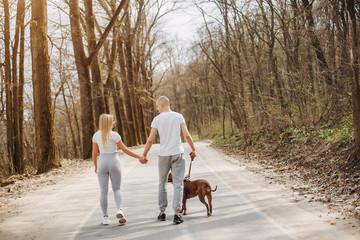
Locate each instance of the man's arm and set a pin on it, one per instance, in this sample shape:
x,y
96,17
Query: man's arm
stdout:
x,y
188,138
149,141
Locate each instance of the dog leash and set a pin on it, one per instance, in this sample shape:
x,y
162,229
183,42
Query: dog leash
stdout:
x,y
192,159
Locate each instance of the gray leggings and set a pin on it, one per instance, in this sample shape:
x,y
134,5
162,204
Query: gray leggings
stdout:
x,y
109,165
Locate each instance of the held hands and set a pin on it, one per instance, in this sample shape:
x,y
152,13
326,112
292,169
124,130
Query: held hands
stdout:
x,y
143,160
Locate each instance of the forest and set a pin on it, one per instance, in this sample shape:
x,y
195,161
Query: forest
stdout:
x,y
256,68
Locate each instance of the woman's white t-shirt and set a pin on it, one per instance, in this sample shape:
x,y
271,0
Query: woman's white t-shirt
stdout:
x,y
110,146
168,125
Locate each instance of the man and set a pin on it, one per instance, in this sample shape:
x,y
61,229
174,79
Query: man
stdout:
x,y
170,124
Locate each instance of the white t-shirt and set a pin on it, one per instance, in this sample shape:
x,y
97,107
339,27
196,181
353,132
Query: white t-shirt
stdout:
x,y
168,126
110,146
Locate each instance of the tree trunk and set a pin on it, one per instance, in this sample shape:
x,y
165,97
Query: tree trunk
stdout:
x,y
237,103
68,115
121,111
316,43
97,85
8,86
342,26
354,62
130,75
18,156
127,94
75,113
2,92
113,90
87,116
139,82
256,79
110,66
21,86
143,132
273,69
46,146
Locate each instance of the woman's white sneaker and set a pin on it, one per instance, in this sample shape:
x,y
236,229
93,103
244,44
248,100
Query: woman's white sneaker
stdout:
x,y
120,215
106,221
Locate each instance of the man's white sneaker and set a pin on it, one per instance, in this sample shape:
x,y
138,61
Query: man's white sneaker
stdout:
x,y
106,221
120,215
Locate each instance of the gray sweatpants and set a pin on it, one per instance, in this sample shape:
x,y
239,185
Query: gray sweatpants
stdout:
x,y
175,163
109,166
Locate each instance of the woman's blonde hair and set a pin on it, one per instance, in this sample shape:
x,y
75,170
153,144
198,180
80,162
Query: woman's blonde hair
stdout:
x,y
105,126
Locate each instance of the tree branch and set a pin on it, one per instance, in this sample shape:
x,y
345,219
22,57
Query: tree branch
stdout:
x,y
107,30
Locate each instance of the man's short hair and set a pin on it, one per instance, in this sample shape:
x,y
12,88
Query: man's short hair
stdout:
x,y
164,101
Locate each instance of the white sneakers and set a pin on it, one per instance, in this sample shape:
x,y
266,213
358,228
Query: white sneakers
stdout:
x,y
106,221
120,215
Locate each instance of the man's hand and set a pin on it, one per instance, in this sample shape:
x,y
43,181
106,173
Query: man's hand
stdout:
x,y
143,160
192,155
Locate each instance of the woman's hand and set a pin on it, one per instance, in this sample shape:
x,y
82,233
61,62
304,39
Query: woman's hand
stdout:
x,y
95,169
143,160
121,145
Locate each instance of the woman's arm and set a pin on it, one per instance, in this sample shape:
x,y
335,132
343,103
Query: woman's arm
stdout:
x,y
129,152
95,151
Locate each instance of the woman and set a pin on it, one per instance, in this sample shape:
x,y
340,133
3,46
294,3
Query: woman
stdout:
x,y
108,164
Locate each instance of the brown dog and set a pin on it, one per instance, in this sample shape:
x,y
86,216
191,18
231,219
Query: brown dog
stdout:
x,y
195,188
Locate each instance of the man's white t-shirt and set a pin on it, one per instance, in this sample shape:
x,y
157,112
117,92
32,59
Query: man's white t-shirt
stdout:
x,y
168,127
110,146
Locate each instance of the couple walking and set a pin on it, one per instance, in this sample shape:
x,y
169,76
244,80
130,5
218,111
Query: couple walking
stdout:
x,y
169,125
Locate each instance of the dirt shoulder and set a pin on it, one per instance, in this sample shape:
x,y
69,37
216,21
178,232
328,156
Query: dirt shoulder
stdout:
x,y
18,191
315,171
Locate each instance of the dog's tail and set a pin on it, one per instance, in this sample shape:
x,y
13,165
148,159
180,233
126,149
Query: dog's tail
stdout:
x,y
214,189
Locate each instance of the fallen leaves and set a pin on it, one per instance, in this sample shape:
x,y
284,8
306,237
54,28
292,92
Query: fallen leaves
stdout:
x,y
6,182
320,171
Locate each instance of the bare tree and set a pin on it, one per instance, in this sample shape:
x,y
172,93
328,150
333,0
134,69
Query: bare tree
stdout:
x,y
46,146
8,84
18,84
131,81
316,42
354,58
87,115
83,63
97,88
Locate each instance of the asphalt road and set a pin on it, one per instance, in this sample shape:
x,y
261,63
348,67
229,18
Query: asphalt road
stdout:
x,y
245,206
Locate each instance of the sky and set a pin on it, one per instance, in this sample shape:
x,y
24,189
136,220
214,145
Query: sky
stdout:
x,y
183,24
